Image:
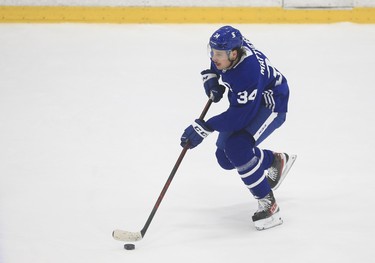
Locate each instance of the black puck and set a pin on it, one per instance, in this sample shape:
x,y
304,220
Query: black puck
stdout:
x,y
129,246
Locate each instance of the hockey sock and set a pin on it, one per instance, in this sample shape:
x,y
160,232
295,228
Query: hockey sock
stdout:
x,y
253,175
268,158
248,161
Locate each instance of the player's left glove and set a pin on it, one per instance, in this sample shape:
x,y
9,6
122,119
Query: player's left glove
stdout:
x,y
211,85
195,133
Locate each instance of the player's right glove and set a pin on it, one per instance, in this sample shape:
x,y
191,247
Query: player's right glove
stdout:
x,y
211,85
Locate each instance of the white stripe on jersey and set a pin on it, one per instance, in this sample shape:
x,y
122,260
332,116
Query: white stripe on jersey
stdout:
x,y
264,126
268,98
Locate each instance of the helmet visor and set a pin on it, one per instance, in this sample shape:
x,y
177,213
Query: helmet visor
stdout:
x,y
215,53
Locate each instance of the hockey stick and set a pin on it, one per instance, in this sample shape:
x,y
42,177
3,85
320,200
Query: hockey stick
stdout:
x,y
122,235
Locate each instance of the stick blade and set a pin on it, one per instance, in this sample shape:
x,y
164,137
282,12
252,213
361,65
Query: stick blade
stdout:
x,y
122,235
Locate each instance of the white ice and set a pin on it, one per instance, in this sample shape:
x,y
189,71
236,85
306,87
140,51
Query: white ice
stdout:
x,y
90,121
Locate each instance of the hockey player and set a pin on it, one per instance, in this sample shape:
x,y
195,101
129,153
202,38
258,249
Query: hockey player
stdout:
x,y
258,98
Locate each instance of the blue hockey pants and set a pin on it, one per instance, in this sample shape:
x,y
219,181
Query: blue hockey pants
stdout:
x,y
239,150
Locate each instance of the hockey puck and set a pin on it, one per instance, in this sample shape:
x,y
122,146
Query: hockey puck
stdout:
x,y
129,246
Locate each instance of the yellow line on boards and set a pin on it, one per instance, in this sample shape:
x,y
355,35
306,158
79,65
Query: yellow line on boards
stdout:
x,y
177,15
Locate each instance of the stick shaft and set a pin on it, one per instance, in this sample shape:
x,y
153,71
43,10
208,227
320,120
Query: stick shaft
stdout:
x,y
171,176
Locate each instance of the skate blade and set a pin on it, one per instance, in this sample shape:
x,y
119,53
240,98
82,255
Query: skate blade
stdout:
x,y
269,222
289,164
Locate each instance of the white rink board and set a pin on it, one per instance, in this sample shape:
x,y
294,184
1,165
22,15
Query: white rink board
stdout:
x,y
318,3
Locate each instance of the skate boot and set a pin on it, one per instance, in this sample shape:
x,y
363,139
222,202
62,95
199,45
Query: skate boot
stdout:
x,y
279,169
267,215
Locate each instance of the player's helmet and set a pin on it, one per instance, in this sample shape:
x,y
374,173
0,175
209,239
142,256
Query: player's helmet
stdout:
x,y
226,38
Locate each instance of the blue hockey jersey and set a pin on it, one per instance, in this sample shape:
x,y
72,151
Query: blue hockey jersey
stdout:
x,y
252,82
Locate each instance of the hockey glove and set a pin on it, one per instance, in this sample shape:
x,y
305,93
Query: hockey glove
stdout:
x,y
211,85
195,133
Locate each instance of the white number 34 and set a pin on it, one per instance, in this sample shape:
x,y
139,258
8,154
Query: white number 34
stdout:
x,y
244,97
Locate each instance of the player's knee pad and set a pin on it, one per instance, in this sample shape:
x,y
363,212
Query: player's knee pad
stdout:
x,y
239,148
223,160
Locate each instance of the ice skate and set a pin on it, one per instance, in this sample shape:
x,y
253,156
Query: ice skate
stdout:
x,y
279,169
267,215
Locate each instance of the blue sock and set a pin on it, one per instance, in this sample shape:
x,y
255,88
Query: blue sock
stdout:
x,y
248,161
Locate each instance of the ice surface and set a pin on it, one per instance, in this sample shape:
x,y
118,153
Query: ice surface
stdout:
x,y
90,121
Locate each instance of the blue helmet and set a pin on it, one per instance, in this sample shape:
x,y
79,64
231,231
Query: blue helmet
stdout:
x,y
226,38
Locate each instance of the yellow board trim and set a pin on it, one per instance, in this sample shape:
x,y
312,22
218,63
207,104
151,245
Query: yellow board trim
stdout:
x,y
178,15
